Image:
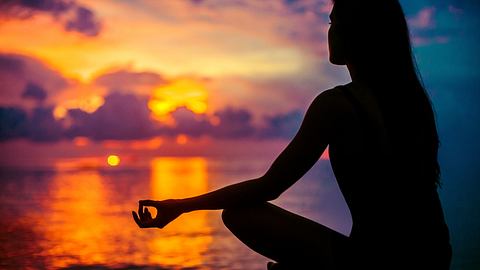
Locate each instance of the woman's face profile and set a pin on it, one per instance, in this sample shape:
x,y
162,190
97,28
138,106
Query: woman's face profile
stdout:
x,y
336,52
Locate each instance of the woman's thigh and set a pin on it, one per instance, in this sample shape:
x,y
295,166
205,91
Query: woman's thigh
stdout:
x,y
286,237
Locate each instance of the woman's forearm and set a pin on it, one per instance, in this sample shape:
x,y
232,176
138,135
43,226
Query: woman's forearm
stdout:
x,y
240,194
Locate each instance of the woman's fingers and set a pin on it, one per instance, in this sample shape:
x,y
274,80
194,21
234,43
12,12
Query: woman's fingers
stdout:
x,y
165,214
147,213
143,210
143,217
143,222
147,203
137,220
140,212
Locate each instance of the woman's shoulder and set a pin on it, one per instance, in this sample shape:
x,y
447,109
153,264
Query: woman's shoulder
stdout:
x,y
342,95
333,98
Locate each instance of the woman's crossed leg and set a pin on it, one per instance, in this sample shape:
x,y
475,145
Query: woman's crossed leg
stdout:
x,y
291,240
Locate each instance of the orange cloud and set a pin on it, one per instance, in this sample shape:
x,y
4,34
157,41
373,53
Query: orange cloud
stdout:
x,y
179,93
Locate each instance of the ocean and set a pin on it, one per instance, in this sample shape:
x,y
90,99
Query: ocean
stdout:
x,y
77,215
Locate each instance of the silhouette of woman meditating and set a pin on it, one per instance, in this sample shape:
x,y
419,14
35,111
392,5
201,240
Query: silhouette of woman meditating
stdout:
x,y
383,144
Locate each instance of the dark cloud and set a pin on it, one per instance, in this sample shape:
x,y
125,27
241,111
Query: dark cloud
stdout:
x,y
84,22
42,126
38,125
17,72
127,117
79,124
26,8
13,123
234,123
282,125
35,92
75,17
121,117
187,122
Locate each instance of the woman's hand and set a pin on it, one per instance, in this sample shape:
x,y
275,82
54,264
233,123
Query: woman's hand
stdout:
x,y
167,211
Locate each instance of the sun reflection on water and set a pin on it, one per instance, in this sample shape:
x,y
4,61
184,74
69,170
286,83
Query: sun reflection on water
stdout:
x,y
76,220
85,224
178,178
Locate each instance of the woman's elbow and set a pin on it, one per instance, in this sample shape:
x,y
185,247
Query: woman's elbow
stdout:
x,y
271,191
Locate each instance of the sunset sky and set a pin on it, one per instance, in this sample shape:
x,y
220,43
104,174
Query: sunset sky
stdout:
x,y
105,102
153,75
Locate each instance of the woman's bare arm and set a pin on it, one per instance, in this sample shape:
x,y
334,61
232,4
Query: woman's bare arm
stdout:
x,y
295,160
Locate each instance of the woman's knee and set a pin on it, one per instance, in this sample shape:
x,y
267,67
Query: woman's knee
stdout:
x,y
230,217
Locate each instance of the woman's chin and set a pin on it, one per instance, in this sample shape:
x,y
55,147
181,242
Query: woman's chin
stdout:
x,y
336,61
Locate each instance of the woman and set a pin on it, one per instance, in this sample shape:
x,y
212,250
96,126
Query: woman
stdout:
x,y
383,144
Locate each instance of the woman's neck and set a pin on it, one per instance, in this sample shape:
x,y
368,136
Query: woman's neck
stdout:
x,y
353,73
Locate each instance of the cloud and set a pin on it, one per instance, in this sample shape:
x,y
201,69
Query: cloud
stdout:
x,y
234,123
424,19
20,74
42,126
73,16
38,126
123,113
455,10
273,24
27,8
121,117
124,80
35,92
13,123
282,125
189,123
84,22
126,117
426,30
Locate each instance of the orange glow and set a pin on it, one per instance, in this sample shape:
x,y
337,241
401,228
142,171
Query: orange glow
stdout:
x,y
86,232
59,112
88,104
151,144
113,160
214,120
81,141
85,163
180,178
147,144
181,139
182,92
113,144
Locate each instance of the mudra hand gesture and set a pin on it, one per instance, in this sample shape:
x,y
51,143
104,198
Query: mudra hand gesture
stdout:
x,y
167,211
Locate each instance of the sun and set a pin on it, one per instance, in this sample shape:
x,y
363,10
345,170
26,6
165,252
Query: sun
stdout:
x,y
181,92
113,160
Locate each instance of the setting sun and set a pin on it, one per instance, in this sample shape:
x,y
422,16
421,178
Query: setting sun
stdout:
x,y
113,160
182,92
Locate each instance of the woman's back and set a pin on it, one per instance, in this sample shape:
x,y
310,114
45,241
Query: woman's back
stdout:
x,y
393,213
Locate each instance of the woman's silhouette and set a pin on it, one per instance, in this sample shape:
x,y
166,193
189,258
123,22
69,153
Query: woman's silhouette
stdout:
x,y
383,143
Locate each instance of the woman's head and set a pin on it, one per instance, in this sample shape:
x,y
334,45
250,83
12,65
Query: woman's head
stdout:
x,y
372,37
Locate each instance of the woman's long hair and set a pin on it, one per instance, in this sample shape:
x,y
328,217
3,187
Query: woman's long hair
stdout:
x,y
375,40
